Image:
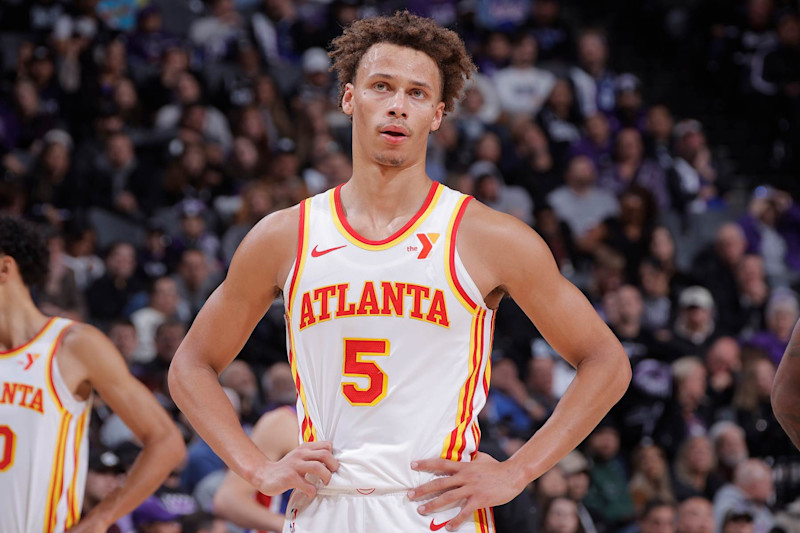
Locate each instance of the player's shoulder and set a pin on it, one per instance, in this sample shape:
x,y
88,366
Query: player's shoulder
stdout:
x,y
483,222
82,338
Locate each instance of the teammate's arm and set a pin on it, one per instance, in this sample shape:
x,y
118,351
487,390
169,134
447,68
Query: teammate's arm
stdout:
x,y
786,389
94,356
275,434
257,273
503,254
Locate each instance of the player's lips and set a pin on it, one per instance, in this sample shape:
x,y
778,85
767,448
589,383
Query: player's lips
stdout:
x,y
394,134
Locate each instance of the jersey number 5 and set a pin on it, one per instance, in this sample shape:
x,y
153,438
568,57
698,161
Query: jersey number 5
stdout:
x,y
356,367
7,448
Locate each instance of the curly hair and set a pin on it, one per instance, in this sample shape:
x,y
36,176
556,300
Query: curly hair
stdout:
x,y
444,46
27,246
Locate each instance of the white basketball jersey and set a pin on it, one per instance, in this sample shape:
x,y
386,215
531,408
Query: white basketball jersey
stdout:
x,y
43,438
389,342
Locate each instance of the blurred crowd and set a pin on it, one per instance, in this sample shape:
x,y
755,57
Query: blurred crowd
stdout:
x,y
148,137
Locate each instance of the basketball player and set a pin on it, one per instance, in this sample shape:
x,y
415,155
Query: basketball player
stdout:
x,y
390,284
48,368
786,389
236,500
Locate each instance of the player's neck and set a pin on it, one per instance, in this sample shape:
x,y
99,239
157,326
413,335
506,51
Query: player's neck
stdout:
x,y
384,193
20,320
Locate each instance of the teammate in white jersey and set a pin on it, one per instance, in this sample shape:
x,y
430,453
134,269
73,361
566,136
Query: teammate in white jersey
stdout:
x,y
390,283
48,369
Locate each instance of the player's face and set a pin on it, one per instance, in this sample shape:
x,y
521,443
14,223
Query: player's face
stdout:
x,y
395,103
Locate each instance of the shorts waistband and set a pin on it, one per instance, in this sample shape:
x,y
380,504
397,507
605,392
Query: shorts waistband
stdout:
x,y
364,491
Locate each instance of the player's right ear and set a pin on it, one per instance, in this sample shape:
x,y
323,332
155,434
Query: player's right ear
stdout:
x,y
347,99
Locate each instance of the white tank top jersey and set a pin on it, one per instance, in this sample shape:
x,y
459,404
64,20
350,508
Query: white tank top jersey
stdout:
x,y
389,342
43,438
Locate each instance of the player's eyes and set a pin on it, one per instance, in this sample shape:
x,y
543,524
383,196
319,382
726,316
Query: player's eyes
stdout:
x,y
380,86
418,93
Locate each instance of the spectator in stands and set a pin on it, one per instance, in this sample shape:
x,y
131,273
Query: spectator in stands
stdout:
x,y
239,378
491,190
108,295
149,41
695,181
716,267
782,312
630,231
629,111
560,119
576,468
694,469
658,136
552,32
194,232
275,29
751,282
583,205
277,385
495,53
608,498
152,517
630,167
60,295
522,87
694,328
688,414
650,478
658,517
723,364
751,491
105,474
164,304
696,515
654,281
217,33
772,229
122,184
510,404
730,447
153,374
738,522
189,99
202,522
533,166
256,204
560,515
30,120
765,437
597,143
195,279
596,83
122,334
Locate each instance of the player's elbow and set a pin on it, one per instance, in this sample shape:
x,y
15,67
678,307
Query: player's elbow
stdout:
x,y
176,379
621,374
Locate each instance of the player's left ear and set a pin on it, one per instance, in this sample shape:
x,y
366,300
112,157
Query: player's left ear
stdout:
x,y
437,118
6,267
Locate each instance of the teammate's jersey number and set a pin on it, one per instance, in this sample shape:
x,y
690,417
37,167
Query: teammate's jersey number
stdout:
x,y
7,446
355,366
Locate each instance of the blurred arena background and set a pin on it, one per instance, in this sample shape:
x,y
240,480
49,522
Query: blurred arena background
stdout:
x,y
652,143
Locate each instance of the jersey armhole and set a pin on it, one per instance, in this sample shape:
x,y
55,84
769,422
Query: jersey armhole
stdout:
x,y
457,276
302,247
62,396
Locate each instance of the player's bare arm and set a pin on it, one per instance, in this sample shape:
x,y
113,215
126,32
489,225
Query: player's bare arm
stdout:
x,y
88,359
505,256
275,435
786,389
256,276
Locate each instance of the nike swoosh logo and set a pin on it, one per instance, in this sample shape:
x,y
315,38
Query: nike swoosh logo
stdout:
x,y
437,527
317,253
